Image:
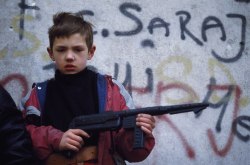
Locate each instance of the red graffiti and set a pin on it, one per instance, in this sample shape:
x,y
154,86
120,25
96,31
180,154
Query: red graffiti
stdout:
x,y
19,78
223,152
189,150
141,91
161,88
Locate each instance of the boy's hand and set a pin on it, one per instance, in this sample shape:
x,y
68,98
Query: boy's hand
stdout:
x,y
146,123
73,140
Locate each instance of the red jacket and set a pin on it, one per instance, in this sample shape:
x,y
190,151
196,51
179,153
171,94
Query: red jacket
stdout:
x,y
46,139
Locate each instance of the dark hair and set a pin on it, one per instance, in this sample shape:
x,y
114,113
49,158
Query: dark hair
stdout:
x,y
66,24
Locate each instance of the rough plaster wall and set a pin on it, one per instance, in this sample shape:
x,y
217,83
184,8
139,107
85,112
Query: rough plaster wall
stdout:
x,y
166,52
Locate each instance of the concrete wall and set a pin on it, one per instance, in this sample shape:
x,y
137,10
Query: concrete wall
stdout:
x,y
166,52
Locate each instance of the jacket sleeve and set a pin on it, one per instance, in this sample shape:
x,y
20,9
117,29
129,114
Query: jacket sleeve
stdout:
x,y
125,138
15,143
45,139
16,146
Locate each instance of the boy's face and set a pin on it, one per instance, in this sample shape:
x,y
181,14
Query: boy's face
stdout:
x,y
71,53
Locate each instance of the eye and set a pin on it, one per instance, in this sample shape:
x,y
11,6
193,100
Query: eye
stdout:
x,y
78,49
61,49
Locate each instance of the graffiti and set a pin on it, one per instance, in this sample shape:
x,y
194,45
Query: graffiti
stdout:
x,y
173,79
190,93
241,120
211,22
147,43
128,80
20,79
3,52
23,6
173,61
246,1
237,92
241,43
222,103
217,24
223,92
189,150
123,10
130,10
90,13
231,89
183,27
215,66
158,23
184,19
49,66
191,96
31,38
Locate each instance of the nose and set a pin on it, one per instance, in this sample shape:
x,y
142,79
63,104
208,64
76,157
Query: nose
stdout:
x,y
70,56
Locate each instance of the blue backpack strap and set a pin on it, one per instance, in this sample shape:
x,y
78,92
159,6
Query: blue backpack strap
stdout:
x,y
41,88
102,91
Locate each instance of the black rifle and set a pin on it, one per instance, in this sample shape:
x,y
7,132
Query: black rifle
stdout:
x,y
113,121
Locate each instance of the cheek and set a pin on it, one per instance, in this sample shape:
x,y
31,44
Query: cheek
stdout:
x,y
58,62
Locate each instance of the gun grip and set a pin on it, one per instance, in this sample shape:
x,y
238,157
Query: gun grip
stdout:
x,y
138,138
68,154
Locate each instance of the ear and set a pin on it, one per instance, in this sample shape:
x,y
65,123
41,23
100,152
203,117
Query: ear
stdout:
x,y
51,55
91,52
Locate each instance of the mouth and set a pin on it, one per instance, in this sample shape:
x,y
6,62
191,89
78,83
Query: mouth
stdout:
x,y
69,67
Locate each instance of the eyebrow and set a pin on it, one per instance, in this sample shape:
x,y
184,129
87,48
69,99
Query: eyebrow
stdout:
x,y
80,45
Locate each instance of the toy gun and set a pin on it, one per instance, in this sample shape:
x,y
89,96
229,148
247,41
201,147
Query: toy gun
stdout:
x,y
113,121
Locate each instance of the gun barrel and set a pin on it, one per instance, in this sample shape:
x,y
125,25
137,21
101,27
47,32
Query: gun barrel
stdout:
x,y
172,109
111,119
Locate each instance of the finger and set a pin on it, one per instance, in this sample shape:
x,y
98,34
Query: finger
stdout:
x,y
77,135
72,147
72,136
146,119
80,132
74,143
68,142
145,130
145,125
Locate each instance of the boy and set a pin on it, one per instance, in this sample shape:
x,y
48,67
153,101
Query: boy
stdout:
x,y
75,90
15,144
